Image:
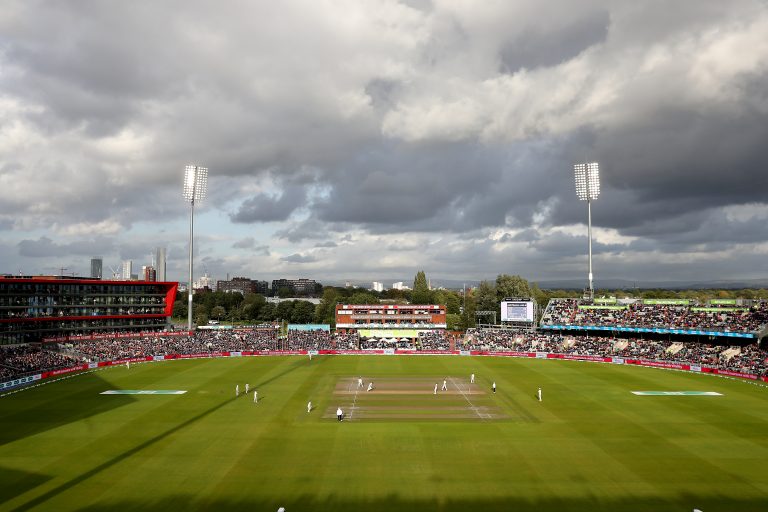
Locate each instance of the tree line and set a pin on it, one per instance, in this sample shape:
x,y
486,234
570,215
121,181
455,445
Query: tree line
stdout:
x,y
461,308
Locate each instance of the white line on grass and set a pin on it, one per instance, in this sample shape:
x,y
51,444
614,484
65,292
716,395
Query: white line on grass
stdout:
x,y
471,405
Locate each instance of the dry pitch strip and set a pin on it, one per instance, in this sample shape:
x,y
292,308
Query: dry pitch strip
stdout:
x,y
413,398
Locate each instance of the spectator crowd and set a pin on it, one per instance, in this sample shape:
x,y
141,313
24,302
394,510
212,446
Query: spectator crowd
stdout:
x,y
668,316
21,360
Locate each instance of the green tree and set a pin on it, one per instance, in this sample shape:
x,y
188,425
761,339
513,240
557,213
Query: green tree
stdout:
x,y
468,312
267,312
303,312
218,312
284,292
363,298
421,293
453,322
453,303
485,300
325,313
284,310
180,309
512,286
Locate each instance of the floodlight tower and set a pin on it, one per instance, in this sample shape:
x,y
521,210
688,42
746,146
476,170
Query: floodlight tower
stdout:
x,y
195,186
588,189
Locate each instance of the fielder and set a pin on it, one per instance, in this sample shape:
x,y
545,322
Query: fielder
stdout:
x,y
128,365
309,406
370,386
539,394
472,379
339,414
246,389
493,386
359,382
445,386
435,392
255,396
310,357
237,389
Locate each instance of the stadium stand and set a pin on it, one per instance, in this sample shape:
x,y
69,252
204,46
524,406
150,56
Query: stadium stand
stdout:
x,y
635,313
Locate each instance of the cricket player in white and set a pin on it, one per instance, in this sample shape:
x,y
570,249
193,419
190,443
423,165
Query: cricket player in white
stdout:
x,y
128,365
472,379
237,389
309,406
370,386
246,388
310,356
339,414
435,392
360,382
494,387
539,394
255,396
445,386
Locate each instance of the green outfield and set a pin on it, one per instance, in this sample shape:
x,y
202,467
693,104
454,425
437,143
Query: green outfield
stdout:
x,y
591,444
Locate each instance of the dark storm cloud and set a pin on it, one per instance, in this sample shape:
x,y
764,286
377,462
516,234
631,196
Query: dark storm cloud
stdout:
x,y
445,120
267,208
535,47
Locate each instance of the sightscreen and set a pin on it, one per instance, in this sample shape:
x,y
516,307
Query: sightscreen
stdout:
x,y
517,311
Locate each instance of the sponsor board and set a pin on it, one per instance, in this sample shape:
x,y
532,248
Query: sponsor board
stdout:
x,y
159,358
695,368
19,382
676,393
313,352
542,355
389,351
465,352
618,360
144,392
235,354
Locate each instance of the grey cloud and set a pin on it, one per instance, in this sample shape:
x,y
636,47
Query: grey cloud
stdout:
x,y
244,243
299,258
112,118
44,247
266,208
550,45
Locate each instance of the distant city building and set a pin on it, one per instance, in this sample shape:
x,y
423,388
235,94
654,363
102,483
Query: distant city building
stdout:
x,y
205,281
160,264
127,270
400,286
243,285
297,287
97,265
377,286
149,273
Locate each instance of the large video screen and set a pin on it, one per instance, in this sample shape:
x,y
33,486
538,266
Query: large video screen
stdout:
x,y
517,311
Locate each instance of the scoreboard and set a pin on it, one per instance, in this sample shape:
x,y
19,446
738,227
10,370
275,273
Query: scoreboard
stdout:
x,y
517,311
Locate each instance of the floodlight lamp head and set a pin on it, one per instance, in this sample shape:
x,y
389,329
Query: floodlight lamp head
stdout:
x,y
195,183
587,177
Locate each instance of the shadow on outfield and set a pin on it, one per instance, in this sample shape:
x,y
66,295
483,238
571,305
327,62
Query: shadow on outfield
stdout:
x,y
50,406
146,444
14,482
390,503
